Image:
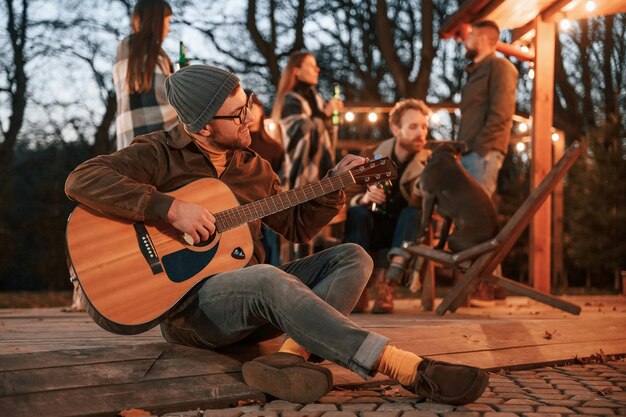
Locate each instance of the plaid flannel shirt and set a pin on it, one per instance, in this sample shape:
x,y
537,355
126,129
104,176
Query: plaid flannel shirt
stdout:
x,y
139,113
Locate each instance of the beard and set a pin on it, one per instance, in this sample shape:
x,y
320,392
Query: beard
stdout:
x,y
412,145
470,53
241,141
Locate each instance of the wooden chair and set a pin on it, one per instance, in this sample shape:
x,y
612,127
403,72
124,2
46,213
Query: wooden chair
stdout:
x,y
479,262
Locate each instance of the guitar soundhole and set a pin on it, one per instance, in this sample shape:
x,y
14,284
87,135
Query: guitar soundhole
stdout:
x,y
207,242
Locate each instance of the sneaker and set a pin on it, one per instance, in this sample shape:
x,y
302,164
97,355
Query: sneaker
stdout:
x,y
385,292
449,383
288,377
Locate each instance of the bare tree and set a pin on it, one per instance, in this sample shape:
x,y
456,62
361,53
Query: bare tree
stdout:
x,y
15,80
397,41
254,42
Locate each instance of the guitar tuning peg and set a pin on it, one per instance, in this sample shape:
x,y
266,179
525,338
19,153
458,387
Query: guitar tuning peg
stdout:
x,y
367,160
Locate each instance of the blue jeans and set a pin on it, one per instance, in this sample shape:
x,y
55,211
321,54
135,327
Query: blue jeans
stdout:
x,y
375,232
484,169
307,299
271,245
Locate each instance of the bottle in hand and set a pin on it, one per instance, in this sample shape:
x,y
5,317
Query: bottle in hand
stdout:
x,y
183,61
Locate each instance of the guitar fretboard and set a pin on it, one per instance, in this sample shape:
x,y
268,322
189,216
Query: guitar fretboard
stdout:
x,y
237,216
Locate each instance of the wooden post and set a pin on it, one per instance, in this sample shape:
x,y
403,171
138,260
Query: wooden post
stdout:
x,y
541,162
559,280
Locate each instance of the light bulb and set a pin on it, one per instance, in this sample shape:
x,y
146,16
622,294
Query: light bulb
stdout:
x,y
349,116
555,137
590,6
522,128
520,147
531,73
565,24
372,117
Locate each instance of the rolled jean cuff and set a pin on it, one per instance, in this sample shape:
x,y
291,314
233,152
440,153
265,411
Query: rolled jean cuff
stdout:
x,y
368,354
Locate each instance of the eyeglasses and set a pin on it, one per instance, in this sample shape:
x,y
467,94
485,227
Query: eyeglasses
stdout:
x,y
243,112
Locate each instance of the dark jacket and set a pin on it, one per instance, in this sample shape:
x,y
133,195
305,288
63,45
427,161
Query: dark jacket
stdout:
x,y
487,105
131,184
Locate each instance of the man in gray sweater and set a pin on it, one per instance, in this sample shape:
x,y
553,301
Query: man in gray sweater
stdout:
x,y
487,105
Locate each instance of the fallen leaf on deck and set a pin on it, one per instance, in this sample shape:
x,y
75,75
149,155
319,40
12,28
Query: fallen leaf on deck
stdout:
x,y
549,335
242,403
134,412
605,391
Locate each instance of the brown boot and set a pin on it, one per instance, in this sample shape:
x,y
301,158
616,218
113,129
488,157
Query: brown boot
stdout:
x,y
483,296
362,303
385,291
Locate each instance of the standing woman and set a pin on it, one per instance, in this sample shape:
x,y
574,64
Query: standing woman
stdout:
x,y
303,118
139,73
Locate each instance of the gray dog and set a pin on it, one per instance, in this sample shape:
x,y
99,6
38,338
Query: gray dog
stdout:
x,y
458,197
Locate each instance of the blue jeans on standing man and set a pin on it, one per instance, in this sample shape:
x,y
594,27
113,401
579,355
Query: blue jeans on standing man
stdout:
x,y
484,169
307,299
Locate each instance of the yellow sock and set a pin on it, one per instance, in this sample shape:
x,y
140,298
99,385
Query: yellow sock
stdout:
x,y
399,365
290,346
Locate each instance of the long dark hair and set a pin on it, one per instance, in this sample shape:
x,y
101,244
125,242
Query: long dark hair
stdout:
x,y
287,81
144,47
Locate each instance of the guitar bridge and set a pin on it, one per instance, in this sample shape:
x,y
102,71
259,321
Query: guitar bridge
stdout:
x,y
147,248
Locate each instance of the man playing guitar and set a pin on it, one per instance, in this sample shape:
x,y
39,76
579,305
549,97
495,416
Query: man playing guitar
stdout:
x,y
308,299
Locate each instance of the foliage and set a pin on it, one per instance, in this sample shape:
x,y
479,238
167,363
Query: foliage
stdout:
x,y
595,217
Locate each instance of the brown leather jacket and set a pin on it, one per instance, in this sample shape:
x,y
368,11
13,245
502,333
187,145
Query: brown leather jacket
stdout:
x,y
131,184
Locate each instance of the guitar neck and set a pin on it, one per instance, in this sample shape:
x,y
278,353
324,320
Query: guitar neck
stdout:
x,y
236,216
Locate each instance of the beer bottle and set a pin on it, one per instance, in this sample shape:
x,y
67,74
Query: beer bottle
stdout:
x,y
182,57
335,119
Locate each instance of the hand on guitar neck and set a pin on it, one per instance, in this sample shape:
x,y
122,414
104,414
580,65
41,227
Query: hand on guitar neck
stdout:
x,y
347,163
191,219
198,223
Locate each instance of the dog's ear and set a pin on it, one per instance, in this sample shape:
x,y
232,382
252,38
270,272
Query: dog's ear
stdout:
x,y
460,147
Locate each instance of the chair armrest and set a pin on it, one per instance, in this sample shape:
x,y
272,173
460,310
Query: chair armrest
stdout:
x,y
453,259
474,251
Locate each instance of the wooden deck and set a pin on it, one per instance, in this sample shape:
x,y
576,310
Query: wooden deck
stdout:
x,y
61,364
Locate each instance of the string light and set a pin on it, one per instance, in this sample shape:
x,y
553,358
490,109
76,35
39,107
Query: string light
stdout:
x,y
522,128
372,117
555,137
531,73
349,117
565,24
590,6
525,49
520,147
434,118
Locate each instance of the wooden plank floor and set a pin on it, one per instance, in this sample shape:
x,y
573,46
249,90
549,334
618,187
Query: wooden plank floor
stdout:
x,y
61,364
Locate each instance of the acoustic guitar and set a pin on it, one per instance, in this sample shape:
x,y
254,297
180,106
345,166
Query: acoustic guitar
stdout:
x,y
133,273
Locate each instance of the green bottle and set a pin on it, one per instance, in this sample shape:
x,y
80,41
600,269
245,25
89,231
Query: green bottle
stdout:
x,y
182,56
335,119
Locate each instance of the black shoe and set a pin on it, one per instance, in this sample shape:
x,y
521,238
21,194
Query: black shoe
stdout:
x,y
449,383
288,377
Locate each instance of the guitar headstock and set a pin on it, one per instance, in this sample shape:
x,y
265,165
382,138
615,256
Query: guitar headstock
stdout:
x,y
374,171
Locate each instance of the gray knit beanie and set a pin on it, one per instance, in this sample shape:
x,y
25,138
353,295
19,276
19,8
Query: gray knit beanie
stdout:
x,y
197,92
